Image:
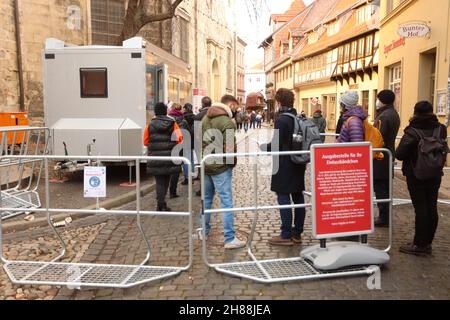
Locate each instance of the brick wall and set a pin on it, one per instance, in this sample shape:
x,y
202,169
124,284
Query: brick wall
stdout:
x,y
40,19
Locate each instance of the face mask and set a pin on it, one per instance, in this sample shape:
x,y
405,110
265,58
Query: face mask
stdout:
x,y
378,104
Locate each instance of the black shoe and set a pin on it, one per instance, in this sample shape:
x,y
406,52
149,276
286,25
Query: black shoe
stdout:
x,y
185,182
411,248
380,223
172,196
163,207
198,193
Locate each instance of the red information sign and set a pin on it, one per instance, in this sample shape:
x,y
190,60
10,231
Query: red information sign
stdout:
x,y
341,177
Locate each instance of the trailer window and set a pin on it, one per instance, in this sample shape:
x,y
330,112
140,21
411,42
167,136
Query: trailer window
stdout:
x,y
94,82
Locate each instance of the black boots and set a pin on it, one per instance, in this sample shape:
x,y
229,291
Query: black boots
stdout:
x,y
163,207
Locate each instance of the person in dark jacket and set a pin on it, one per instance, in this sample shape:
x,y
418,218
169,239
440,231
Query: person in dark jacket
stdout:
x,y
320,122
198,138
340,122
160,144
189,118
387,121
177,114
424,193
288,180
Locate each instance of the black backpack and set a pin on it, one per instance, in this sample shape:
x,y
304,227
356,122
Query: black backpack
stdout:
x,y
306,133
431,155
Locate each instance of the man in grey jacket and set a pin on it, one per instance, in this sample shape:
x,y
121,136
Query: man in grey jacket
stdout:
x,y
387,121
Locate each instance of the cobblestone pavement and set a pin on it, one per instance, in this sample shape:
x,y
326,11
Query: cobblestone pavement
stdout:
x,y
118,241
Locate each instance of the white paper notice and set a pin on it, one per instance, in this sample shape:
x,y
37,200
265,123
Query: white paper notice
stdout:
x,y
94,182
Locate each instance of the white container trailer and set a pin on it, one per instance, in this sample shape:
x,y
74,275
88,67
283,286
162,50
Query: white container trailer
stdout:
x,y
95,98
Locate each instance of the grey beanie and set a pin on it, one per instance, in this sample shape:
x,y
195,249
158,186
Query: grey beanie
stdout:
x,y
350,99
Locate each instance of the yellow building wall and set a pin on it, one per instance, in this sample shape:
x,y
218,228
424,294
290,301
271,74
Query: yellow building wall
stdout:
x,y
317,90
368,84
436,16
287,83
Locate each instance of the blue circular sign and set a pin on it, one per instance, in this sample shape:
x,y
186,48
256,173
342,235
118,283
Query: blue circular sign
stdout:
x,y
94,182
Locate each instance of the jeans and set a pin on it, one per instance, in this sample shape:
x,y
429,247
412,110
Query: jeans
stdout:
x,y
185,166
382,192
239,126
258,124
162,184
424,196
246,126
222,184
286,214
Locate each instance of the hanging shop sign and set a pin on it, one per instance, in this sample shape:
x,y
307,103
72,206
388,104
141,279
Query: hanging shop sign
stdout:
x,y
342,202
414,30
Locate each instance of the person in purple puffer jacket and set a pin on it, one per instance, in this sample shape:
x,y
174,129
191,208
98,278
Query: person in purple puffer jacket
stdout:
x,y
352,129
354,117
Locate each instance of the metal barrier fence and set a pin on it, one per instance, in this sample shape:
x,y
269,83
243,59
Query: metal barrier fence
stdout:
x,y
276,270
90,274
19,193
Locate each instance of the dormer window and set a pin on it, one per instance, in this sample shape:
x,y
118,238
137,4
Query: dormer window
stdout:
x,y
313,38
333,28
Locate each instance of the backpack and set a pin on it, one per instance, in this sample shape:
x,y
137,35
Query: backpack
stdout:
x,y
374,136
306,133
431,155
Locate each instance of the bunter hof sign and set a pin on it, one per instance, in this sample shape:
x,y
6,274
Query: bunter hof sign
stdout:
x,y
414,30
342,202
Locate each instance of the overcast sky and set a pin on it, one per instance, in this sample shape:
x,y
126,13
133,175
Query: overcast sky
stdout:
x,y
253,34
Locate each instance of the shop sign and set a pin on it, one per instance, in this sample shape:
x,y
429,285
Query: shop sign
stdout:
x,y
414,30
395,44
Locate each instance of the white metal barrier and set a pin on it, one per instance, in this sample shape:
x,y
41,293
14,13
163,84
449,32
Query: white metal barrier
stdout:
x,y
277,270
19,193
89,274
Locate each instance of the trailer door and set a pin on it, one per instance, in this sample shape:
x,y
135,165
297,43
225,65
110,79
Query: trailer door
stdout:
x,y
157,87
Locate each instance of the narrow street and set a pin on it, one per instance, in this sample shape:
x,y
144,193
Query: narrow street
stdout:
x,y
104,239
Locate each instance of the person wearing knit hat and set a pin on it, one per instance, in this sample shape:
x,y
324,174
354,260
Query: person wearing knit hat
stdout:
x,y
349,99
386,97
387,120
424,192
160,109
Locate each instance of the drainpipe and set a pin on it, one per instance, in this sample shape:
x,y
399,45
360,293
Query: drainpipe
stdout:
x,y
19,56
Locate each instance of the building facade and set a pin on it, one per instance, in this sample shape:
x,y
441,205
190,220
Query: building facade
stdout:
x,y
255,80
240,70
415,54
202,35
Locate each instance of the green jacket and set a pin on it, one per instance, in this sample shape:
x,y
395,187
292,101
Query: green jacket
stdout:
x,y
217,130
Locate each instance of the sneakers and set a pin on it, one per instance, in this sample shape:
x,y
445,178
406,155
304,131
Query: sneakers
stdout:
x,y
411,248
279,241
235,244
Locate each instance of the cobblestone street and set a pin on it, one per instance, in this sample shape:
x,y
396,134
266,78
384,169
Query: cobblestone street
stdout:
x,y
116,240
